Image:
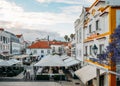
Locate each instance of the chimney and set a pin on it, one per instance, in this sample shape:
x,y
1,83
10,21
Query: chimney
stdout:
x,y
1,29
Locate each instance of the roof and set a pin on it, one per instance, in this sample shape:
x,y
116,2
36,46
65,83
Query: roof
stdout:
x,y
58,43
1,29
40,44
20,35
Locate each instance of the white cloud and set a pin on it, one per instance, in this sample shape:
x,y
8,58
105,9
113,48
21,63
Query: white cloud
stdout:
x,y
16,16
61,1
13,16
79,2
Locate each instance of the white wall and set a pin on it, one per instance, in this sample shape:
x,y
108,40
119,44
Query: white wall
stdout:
x,y
37,52
4,47
56,48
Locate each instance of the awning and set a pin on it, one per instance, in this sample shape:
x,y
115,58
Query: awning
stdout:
x,y
87,73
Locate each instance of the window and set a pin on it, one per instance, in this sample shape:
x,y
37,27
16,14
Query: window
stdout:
x,y
48,51
90,28
53,49
91,50
86,50
101,48
42,51
79,36
35,51
97,24
1,38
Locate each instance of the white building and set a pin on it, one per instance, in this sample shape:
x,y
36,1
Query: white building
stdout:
x,y
58,47
22,43
99,23
4,42
39,48
79,31
73,48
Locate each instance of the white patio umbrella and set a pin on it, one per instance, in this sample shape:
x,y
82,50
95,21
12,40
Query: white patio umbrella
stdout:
x,y
5,63
14,61
51,61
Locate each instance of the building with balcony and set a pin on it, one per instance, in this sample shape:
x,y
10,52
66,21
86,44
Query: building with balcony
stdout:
x,y
100,21
14,44
4,42
79,31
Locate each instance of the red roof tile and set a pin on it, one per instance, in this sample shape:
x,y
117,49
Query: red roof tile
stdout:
x,y
40,44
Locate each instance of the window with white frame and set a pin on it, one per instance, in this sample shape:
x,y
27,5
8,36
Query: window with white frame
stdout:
x,y
86,48
90,28
79,35
42,51
101,48
97,25
35,51
48,51
90,49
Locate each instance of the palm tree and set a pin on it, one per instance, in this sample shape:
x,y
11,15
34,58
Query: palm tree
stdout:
x,y
71,36
66,37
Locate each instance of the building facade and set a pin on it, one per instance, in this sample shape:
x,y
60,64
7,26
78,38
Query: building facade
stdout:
x,y
4,42
39,49
100,21
22,44
58,47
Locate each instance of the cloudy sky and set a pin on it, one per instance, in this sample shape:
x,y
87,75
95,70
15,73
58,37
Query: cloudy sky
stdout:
x,y
39,18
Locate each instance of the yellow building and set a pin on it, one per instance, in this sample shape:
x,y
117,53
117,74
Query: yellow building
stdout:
x,y
100,22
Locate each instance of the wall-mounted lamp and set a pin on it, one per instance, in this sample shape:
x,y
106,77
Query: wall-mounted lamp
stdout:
x,y
95,49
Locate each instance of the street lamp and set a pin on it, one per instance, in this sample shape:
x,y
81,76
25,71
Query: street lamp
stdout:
x,y
95,49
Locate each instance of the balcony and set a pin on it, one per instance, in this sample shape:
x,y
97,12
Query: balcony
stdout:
x,y
100,60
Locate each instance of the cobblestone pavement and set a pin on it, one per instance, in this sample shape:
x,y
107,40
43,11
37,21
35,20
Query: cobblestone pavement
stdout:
x,y
38,84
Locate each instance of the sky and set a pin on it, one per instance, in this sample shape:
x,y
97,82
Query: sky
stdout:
x,y
40,18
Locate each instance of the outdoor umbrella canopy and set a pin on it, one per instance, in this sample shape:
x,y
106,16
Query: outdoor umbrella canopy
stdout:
x,y
13,61
51,61
63,57
5,63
